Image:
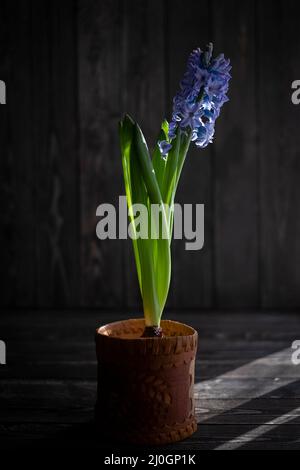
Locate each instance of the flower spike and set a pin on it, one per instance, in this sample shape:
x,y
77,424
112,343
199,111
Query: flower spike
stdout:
x,y
203,91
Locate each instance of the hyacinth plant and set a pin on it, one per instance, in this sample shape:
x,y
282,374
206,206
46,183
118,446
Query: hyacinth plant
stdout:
x,y
153,179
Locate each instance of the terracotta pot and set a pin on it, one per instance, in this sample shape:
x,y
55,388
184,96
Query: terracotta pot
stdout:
x,y
145,385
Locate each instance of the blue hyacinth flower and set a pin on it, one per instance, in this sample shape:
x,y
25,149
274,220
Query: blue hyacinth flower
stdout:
x,y
197,105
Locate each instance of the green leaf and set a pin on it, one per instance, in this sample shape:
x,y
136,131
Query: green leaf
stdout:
x,y
144,247
126,131
161,246
151,182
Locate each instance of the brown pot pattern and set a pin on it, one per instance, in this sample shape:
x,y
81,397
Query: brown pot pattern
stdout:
x,y
145,385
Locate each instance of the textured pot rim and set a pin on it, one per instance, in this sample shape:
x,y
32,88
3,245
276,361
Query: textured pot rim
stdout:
x,y
100,331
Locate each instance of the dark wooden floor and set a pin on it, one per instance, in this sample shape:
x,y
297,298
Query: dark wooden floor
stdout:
x,y
247,389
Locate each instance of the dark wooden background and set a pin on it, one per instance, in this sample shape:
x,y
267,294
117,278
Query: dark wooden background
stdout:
x,y
71,70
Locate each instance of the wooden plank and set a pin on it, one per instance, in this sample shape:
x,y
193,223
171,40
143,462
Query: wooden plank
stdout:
x,y
17,163
51,416
53,340
49,363
246,389
60,341
100,90
211,436
53,392
192,284
54,126
279,50
253,414
78,367
65,205
258,411
58,369
7,269
269,326
43,163
24,327
47,394
85,435
143,94
235,161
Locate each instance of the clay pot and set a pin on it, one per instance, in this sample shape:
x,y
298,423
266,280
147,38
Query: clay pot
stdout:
x,y
145,385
